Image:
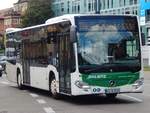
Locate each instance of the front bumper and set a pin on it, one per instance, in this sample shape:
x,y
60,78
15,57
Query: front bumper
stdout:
x,y
137,87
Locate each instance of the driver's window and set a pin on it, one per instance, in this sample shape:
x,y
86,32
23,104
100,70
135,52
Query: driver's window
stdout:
x,y
131,48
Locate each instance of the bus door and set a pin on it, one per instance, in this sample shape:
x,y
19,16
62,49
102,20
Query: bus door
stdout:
x,y
64,63
26,61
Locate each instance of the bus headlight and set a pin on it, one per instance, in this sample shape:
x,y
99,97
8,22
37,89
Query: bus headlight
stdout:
x,y
82,85
138,83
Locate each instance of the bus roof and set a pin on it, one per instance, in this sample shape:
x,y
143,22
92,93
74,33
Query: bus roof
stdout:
x,y
66,17
71,16
9,30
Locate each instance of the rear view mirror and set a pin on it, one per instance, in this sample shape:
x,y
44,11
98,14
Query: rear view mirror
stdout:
x,y
73,34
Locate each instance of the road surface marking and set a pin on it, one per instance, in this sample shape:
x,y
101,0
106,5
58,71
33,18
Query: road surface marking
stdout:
x,y
49,110
6,83
134,98
41,101
34,95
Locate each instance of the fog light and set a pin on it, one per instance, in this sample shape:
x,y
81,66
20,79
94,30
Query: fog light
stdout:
x,y
82,85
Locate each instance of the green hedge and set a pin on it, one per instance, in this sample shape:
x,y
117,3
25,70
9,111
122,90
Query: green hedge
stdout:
x,y
147,68
2,51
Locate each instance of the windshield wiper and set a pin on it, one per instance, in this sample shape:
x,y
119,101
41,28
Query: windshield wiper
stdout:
x,y
103,67
109,67
91,70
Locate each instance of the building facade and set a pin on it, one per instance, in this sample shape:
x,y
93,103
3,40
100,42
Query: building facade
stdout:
x,y
12,16
1,25
145,17
136,7
12,19
1,30
21,6
74,6
95,6
119,7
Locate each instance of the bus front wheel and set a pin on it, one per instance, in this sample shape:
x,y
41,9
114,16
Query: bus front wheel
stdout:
x,y
53,88
19,81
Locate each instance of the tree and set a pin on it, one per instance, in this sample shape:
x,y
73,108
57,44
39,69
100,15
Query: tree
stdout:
x,y
38,12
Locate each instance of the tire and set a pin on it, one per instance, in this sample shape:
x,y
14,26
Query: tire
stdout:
x,y
19,81
111,96
0,73
53,88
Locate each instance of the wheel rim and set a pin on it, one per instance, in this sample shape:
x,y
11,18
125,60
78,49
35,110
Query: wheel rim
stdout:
x,y
53,87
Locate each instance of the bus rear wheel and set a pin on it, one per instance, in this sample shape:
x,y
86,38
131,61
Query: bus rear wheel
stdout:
x,y
0,73
19,81
53,88
111,96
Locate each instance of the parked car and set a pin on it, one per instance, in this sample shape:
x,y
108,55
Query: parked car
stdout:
x,y
1,70
3,60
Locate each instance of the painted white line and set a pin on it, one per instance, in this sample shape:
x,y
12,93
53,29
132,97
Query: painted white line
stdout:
x,y
41,101
6,83
49,110
34,95
134,98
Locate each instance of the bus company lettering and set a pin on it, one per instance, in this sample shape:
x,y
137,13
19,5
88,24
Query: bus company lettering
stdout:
x,y
96,76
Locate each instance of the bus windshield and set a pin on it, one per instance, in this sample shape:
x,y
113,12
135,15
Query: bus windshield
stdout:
x,y
108,41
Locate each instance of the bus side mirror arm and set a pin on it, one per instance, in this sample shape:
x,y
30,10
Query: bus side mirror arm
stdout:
x,y
73,34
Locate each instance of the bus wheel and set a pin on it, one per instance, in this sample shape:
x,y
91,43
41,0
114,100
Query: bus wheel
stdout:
x,y
0,73
53,88
19,81
111,96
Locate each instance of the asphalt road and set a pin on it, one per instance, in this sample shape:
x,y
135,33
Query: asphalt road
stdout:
x,y
30,100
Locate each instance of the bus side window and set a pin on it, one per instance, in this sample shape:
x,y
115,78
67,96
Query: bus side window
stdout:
x,y
51,34
51,37
52,45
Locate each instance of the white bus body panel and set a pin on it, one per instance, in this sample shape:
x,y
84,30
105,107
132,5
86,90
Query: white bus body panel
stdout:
x,y
39,77
9,30
11,72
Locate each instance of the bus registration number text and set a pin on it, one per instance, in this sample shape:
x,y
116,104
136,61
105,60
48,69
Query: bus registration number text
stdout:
x,y
113,90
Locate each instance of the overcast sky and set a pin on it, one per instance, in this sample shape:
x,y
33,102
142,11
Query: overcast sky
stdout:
x,y
6,3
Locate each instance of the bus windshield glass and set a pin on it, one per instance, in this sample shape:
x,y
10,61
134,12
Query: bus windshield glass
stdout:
x,y
108,43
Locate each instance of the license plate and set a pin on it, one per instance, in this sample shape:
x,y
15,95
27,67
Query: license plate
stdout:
x,y
116,90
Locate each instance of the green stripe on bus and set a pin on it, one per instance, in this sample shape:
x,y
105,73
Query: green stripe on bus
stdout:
x,y
104,79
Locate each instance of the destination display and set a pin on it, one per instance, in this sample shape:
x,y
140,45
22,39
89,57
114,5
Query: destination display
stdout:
x,y
108,25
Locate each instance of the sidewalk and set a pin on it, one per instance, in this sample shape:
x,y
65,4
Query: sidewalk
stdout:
x,y
147,75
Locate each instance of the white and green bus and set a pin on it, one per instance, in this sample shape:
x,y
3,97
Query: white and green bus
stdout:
x,y
79,55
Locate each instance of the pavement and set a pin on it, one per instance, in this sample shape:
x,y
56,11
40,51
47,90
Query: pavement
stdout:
x,y
31,100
